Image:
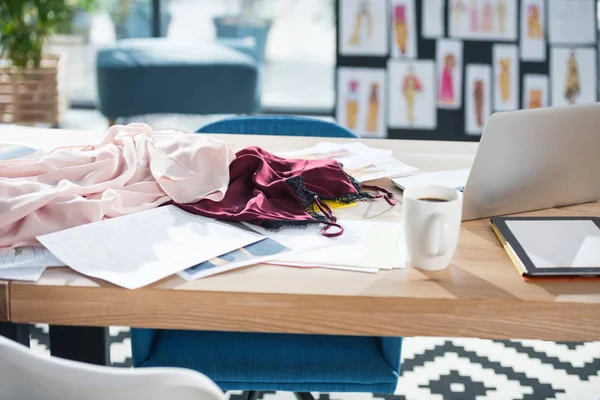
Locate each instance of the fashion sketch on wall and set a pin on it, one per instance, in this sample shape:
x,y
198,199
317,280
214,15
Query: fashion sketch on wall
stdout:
x,y
404,29
412,94
573,76
535,91
478,97
506,77
361,100
449,56
533,39
483,19
363,27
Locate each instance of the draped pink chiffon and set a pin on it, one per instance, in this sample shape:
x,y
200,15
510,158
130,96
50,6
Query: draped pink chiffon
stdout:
x,y
132,169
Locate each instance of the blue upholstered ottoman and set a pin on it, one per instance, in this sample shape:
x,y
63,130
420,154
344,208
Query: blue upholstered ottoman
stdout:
x,y
151,76
266,361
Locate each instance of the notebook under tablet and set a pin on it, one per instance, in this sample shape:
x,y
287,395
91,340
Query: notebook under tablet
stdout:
x,y
534,159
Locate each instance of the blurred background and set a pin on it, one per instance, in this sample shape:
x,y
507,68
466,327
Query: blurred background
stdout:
x,y
297,38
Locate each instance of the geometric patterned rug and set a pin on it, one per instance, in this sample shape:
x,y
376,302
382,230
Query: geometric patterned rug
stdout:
x,y
452,369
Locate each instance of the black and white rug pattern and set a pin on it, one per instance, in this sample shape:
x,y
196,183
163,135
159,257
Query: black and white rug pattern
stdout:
x,y
452,369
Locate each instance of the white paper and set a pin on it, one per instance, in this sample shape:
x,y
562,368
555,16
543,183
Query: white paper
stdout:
x,y
573,75
456,179
478,102
533,25
433,18
141,248
361,162
363,27
29,274
252,254
404,29
449,60
506,77
559,243
27,257
302,265
361,101
492,20
363,244
412,94
572,22
535,91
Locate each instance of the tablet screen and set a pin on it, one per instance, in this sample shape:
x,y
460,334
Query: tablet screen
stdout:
x,y
558,243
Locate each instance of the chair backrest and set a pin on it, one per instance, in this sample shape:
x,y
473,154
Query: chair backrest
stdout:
x,y
25,375
277,125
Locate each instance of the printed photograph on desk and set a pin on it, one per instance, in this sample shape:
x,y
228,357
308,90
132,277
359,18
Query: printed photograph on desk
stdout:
x,y
433,22
492,20
535,91
533,23
449,60
404,29
573,76
363,28
361,101
572,22
252,254
411,94
478,97
506,77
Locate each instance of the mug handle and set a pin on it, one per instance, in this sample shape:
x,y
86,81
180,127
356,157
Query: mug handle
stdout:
x,y
442,220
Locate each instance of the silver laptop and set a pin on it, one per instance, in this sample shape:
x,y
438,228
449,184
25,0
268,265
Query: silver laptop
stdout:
x,y
531,160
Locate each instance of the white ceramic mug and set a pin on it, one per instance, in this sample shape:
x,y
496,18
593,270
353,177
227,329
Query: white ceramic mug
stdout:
x,y
432,217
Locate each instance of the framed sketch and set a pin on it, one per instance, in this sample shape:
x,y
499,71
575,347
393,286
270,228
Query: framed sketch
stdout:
x,y
363,27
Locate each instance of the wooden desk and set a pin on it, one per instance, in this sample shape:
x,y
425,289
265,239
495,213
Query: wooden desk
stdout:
x,y
479,295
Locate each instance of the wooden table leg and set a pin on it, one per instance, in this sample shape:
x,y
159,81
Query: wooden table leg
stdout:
x,y
80,343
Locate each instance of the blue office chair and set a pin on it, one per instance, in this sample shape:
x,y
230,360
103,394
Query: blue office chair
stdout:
x,y
266,361
278,126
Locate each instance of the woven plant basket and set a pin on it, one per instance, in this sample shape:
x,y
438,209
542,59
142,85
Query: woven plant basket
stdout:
x,y
32,95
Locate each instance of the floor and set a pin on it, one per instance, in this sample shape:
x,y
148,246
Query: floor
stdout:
x,y
453,369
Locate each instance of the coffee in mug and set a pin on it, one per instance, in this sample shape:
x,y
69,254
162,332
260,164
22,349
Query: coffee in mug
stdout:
x,y
432,218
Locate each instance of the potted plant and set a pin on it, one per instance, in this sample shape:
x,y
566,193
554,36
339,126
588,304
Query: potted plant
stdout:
x,y
28,76
247,22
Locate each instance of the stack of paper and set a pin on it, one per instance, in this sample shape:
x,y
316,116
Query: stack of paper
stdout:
x,y
138,249
26,263
361,162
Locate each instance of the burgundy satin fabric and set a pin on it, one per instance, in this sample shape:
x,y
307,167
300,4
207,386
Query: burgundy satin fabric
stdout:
x,y
267,190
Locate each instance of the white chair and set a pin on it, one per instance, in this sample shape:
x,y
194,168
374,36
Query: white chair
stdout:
x,y
25,375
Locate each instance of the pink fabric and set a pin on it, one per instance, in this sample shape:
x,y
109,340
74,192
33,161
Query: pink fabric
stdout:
x,y
133,169
447,87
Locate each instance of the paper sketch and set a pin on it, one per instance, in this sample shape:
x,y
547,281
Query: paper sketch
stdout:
x,y
8,151
535,91
141,248
573,76
412,99
27,257
572,22
252,254
363,27
506,77
404,32
477,107
449,65
532,39
433,21
361,101
361,162
492,20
